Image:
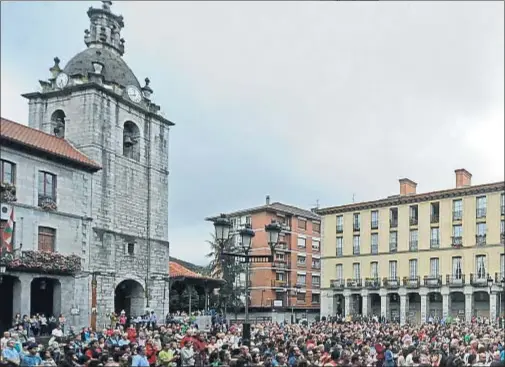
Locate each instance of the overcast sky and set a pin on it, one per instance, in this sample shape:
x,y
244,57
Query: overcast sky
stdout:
x,y
303,101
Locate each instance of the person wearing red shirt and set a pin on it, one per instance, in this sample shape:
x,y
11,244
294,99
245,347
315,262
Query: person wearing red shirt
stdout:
x,y
132,334
151,353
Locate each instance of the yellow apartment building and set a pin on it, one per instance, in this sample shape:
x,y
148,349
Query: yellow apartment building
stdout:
x,y
416,256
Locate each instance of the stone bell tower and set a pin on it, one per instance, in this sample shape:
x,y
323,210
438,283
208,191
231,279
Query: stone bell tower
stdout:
x,y
97,103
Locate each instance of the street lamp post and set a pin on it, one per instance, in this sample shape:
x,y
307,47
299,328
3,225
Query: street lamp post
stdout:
x,y
490,285
222,227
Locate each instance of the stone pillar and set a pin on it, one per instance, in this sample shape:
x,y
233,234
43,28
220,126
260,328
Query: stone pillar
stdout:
x,y
468,306
403,309
26,292
206,299
424,306
492,308
384,305
328,307
446,300
347,304
365,301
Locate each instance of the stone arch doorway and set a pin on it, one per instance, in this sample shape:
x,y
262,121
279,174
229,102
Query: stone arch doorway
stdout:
x,y
457,305
339,302
394,306
414,308
375,304
435,306
130,297
10,289
45,297
481,304
356,304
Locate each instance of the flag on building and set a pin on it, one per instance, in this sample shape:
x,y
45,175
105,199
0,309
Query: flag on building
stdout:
x,y
8,232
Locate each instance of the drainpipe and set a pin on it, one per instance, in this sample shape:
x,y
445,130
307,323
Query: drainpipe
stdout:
x,y
148,223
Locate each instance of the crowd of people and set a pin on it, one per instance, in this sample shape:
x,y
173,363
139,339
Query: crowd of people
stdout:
x,y
178,342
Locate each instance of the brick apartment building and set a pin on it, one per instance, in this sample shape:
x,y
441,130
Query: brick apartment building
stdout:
x,y
292,282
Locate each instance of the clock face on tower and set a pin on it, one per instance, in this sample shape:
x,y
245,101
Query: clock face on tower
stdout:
x,y
134,93
61,80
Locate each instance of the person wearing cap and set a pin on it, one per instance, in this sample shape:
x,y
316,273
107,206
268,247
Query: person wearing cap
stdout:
x,y
32,358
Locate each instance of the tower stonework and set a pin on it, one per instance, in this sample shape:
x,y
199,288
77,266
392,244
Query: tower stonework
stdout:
x,y
97,104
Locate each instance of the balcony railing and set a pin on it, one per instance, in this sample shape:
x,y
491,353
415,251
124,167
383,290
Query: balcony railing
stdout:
x,y
316,265
413,221
434,218
337,283
280,264
356,227
457,215
374,249
340,252
478,280
457,241
455,280
480,212
480,239
47,202
412,282
434,243
340,228
413,245
372,283
7,192
499,277
433,281
43,262
282,247
393,246
393,223
355,250
279,284
391,283
301,265
354,283
374,224
316,285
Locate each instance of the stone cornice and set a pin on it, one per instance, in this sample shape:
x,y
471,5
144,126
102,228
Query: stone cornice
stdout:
x,y
410,199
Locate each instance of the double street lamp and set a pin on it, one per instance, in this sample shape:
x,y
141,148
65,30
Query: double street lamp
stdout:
x,y
223,228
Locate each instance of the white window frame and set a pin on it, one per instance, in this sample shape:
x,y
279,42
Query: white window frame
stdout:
x,y
481,267
356,244
481,229
356,271
374,269
374,216
434,267
457,230
340,271
304,241
481,202
304,277
457,267
318,247
393,269
457,205
340,241
318,277
304,260
413,268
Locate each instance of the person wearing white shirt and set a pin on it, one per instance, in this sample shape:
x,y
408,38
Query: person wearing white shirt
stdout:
x,y
58,333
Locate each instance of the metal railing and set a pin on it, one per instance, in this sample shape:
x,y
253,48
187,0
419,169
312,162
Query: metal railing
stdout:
x,y
393,223
340,228
434,218
316,265
434,243
455,280
282,246
374,224
479,280
354,283
372,283
457,241
413,245
480,239
340,252
457,215
337,283
412,282
393,246
374,249
391,282
413,221
499,277
432,281
279,283
280,264
316,285
356,227
480,212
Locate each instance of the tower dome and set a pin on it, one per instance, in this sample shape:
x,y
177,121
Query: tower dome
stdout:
x,y
105,49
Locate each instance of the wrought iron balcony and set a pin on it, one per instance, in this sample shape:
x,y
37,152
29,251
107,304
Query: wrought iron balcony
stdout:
x,y
42,262
279,284
480,239
480,212
433,281
7,192
374,224
340,252
413,245
374,249
455,280
340,228
434,218
372,283
282,247
393,223
479,280
337,283
413,221
280,264
391,283
356,227
47,202
354,283
434,243
412,282
393,246
457,241
499,278
457,215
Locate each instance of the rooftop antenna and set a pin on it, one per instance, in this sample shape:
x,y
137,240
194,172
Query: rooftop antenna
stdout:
x,y
317,203
353,197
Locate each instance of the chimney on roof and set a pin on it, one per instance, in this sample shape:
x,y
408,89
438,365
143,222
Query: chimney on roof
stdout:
x,y
463,178
407,187
267,200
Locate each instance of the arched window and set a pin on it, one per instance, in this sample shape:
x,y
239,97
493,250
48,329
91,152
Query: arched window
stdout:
x,y
58,123
131,141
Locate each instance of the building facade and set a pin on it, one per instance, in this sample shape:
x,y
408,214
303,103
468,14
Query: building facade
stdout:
x,y
291,284
414,256
97,104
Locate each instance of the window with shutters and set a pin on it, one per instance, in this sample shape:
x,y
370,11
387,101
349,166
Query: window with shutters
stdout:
x,y
47,238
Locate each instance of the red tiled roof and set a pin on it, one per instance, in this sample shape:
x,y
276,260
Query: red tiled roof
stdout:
x,y
41,141
177,270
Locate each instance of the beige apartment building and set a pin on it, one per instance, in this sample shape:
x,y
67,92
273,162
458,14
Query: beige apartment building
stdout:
x,y
291,284
414,256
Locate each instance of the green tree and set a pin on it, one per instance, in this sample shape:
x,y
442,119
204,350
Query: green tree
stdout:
x,y
228,269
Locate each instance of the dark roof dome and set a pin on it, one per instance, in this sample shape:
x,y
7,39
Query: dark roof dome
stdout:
x,y
115,69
